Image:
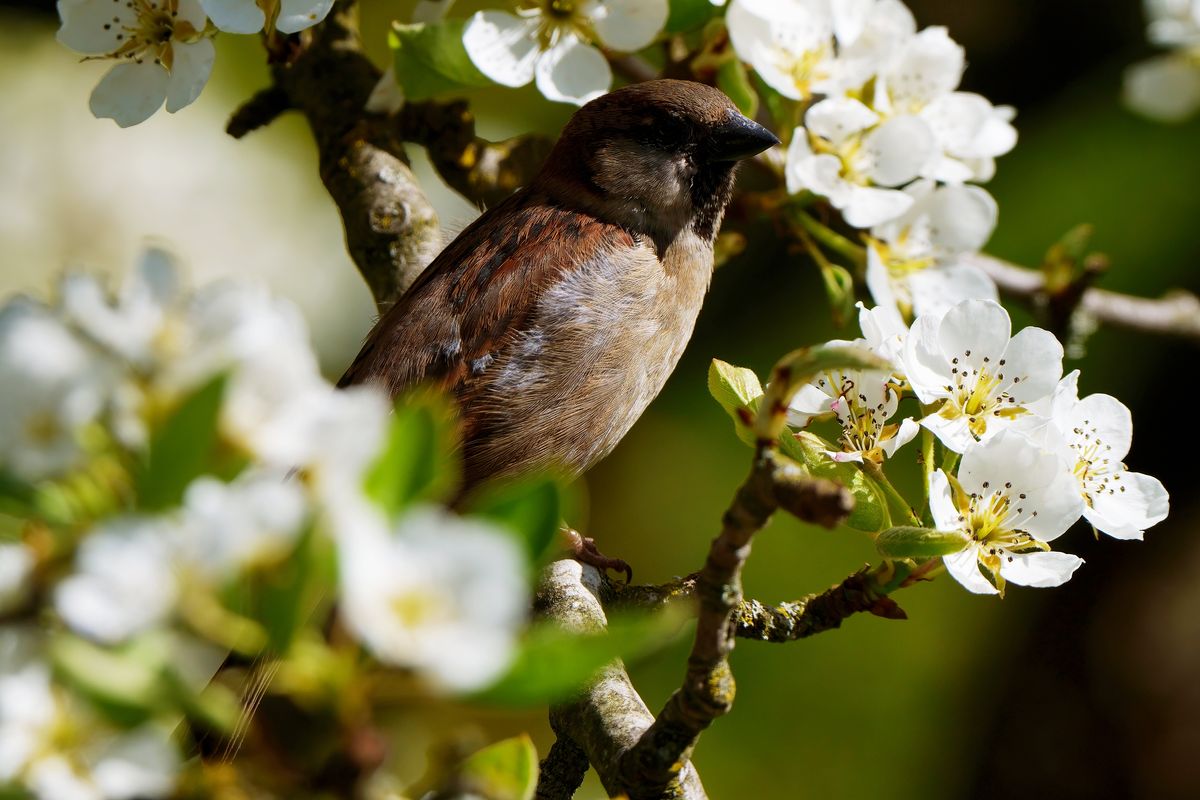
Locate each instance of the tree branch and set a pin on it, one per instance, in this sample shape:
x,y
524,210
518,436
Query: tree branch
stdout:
x,y
1175,314
865,591
392,230
608,716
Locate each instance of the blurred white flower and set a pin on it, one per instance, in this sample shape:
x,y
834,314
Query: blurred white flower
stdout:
x,y
1093,435
164,53
134,324
982,377
884,333
51,386
124,580
261,341
1167,87
333,435
1011,498
551,41
250,16
16,570
230,527
439,594
912,261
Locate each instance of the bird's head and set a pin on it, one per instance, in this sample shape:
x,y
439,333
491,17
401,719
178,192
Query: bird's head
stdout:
x,y
655,157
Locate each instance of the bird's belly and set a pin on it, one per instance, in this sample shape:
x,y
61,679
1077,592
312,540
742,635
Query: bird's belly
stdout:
x,y
601,347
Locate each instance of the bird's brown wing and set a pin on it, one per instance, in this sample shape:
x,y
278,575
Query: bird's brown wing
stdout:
x,y
477,295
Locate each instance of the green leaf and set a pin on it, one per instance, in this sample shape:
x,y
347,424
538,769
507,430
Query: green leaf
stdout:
x,y
288,592
687,15
506,770
125,684
737,389
531,508
16,496
430,59
182,449
418,461
552,663
870,504
733,80
907,542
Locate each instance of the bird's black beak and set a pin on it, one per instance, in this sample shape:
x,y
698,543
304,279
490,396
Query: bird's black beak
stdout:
x,y
739,138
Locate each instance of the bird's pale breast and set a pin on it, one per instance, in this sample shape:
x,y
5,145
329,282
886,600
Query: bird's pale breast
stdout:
x,y
602,342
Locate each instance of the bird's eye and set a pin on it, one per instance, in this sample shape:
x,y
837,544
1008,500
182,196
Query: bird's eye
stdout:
x,y
664,132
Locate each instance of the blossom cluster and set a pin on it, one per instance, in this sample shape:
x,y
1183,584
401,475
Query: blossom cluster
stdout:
x,y
1032,456
886,137
163,48
108,400
1167,86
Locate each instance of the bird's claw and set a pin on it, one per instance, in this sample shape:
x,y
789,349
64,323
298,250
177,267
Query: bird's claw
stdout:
x,y
583,549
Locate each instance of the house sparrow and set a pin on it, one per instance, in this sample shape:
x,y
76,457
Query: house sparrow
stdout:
x,y
557,316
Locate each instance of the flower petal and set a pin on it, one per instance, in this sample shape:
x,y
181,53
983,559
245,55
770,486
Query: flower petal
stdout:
x,y
964,568
235,16
898,150
908,429
974,330
938,289
954,432
130,93
839,118
573,72
1105,420
941,503
296,15
1034,356
866,206
189,73
931,64
88,25
502,46
628,25
1128,506
1041,570
1165,88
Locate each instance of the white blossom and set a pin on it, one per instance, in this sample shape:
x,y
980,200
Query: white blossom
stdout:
x,y
913,261
439,594
1167,87
849,155
250,16
124,580
1093,435
1011,498
51,386
164,53
230,527
982,377
16,571
551,42
862,401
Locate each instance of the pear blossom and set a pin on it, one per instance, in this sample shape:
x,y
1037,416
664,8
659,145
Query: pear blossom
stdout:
x,y
37,721
862,401
124,580
229,527
981,377
884,333
133,325
250,16
788,42
51,387
164,52
1167,87
1010,499
553,43
913,261
849,154
439,594
1093,436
